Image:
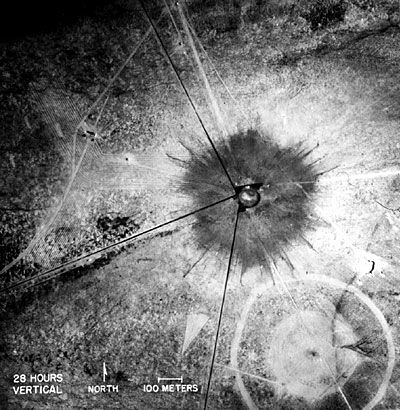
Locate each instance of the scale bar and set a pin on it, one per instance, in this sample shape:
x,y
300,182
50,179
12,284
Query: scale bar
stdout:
x,y
170,378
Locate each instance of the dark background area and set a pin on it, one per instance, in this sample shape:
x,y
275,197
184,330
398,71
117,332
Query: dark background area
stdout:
x,y
19,19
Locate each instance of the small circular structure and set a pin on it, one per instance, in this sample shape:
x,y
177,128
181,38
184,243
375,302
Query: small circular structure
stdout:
x,y
305,354
265,177
248,197
310,355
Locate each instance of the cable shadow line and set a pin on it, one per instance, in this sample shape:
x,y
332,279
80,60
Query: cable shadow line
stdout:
x,y
308,331
41,234
221,310
178,77
72,264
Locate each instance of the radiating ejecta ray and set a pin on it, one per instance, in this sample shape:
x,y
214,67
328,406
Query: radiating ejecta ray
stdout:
x,y
194,324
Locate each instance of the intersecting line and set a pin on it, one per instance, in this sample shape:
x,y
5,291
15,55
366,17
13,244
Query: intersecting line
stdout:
x,y
221,310
178,77
109,247
44,230
234,236
289,293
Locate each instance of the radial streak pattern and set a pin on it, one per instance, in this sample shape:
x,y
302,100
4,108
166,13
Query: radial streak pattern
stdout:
x,y
306,341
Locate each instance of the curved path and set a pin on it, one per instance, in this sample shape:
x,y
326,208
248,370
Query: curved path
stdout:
x,y
391,357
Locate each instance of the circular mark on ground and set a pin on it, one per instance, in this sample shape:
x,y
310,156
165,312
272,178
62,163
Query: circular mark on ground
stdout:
x,y
307,349
248,197
306,357
275,188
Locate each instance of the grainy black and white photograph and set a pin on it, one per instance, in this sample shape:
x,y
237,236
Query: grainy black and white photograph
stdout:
x,y
200,205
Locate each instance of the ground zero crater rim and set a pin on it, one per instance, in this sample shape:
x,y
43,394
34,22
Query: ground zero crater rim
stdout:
x,y
275,187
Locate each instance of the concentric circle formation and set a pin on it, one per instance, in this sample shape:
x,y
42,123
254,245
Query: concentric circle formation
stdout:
x,y
277,190
311,350
306,355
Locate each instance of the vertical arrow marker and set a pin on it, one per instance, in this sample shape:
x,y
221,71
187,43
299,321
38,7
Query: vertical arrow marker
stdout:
x,y
104,372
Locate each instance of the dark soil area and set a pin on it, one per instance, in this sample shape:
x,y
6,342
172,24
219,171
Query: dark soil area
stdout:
x,y
86,162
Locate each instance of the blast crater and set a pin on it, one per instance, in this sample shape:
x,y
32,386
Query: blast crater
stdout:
x,y
274,187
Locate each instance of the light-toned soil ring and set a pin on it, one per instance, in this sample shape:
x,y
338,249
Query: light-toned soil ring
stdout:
x,y
304,356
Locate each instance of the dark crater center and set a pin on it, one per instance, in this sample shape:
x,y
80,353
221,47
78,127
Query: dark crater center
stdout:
x,y
274,188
